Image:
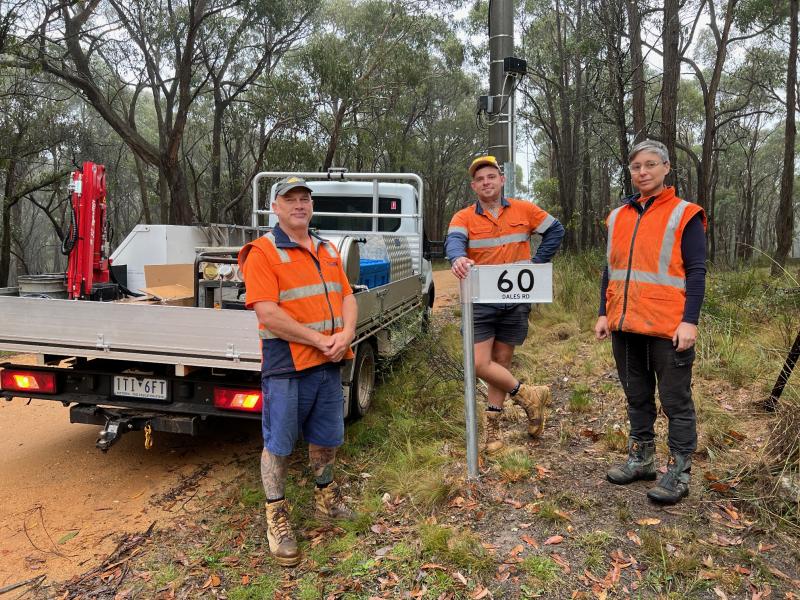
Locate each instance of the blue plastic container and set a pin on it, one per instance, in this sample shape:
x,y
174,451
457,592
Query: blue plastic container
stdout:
x,y
373,272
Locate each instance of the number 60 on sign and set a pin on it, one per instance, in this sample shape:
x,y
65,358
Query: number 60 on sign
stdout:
x,y
517,283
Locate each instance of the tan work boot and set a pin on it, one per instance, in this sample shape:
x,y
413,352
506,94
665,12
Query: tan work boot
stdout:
x,y
282,544
493,436
533,399
330,504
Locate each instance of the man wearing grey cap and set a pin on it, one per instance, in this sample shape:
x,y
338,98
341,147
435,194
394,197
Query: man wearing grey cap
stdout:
x,y
306,319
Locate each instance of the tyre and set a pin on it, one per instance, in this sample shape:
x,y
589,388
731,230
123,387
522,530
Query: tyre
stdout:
x,y
363,386
427,310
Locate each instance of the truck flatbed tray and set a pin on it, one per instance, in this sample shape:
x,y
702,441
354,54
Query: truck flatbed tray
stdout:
x,y
172,335
176,335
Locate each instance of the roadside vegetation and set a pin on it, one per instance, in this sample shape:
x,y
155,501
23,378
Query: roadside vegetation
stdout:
x,y
542,521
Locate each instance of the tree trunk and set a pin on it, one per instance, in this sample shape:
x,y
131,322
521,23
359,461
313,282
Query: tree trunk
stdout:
x,y
216,153
637,64
784,221
5,227
669,88
180,209
586,189
143,192
333,143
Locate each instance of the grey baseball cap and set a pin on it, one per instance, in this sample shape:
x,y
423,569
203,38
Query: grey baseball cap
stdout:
x,y
289,183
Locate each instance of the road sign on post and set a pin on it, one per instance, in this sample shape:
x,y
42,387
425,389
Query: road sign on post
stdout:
x,y
518,283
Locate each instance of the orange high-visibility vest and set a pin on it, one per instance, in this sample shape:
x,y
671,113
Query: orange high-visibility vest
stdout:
x,y
310,287
646,276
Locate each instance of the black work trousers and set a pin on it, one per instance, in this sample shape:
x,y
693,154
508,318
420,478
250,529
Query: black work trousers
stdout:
x,y
642,361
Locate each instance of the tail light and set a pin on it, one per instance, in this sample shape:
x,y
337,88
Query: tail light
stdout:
x,y
237,399
28,381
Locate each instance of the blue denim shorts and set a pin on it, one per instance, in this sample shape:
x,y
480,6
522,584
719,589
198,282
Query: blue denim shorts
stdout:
x,y
312,403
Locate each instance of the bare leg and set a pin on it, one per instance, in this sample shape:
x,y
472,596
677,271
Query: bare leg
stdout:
x,y
322,460
491,364
273,474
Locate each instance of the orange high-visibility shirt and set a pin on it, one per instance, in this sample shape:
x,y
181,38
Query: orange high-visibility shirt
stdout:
x,y
502,239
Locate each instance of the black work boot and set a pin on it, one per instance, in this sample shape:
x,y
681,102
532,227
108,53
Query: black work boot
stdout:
x,y
674,485
641,463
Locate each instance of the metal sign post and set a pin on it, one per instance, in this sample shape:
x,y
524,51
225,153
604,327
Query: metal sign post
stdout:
x,y
518,283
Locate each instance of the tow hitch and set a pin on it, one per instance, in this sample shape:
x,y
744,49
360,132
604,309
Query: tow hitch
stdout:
x,y
118,422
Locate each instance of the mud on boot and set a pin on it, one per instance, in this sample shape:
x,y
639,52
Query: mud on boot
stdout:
x,y
492,433
641,463
282,543
533,399
330,504
674,485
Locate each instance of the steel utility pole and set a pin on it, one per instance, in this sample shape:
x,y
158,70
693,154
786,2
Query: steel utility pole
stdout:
x,y
501,45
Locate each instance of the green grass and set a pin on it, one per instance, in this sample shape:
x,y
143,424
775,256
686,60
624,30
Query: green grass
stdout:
x,y
262,587
458,547
542,572
580,400
515,466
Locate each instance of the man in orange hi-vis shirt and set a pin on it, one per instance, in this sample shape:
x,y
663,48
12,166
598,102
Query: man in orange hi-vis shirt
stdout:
x,y
306,319
493,231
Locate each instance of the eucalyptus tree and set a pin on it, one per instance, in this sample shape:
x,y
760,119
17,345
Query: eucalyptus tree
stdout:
x,y
34,154
120,55
785,215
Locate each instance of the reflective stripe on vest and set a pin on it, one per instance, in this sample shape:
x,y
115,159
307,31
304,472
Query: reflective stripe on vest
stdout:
x,y
502,240
266,334
662,277
548,220
282,254
456,229
306,291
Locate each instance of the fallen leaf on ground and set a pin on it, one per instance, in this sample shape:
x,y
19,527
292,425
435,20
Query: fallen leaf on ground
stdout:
x,y
529,540
516,550
554,539
479,592
561,561
433,566
648,521
721,540
634,538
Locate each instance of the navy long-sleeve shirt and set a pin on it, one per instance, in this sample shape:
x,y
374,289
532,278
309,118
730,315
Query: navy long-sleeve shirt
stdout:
x,y
693,254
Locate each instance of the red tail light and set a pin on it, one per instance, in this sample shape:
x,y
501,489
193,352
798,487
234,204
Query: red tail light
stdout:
x,y
237,399
28,381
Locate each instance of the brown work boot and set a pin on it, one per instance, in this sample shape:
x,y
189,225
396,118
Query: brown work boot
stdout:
x,y
533,399
330,504
282,544
492,435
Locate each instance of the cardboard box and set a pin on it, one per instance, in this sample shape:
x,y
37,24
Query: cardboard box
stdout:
x,y
170,284
174,294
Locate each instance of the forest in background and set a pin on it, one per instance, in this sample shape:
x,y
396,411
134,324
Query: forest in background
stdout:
x,y
185,100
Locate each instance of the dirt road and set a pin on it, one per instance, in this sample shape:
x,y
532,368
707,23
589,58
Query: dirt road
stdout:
x,y
65,504
446,289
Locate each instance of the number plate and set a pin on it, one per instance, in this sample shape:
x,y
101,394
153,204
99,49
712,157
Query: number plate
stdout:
x,y
518,283
135,387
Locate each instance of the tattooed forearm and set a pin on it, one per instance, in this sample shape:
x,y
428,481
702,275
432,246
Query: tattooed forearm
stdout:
x,y
273,474
322,463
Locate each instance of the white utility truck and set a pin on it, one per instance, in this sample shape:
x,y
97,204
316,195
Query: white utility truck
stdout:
x,y
145,363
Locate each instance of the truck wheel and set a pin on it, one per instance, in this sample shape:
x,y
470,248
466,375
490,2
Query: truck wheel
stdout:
x,y
363,385
427,310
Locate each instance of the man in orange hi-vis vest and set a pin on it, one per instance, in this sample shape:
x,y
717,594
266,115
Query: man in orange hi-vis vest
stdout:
x,y
497,230
306,319
652,291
